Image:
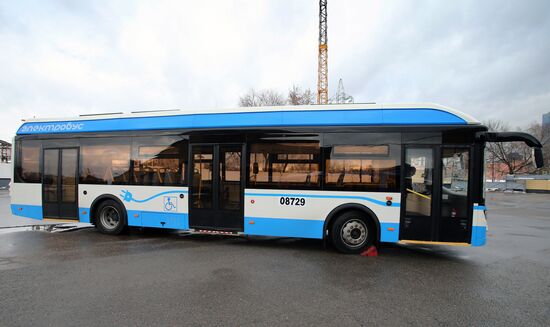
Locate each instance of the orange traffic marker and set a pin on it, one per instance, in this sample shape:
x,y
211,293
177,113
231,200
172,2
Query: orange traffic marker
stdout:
x,y
371,251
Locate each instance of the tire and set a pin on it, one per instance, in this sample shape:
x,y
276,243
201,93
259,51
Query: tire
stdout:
x,y
110,218
351,232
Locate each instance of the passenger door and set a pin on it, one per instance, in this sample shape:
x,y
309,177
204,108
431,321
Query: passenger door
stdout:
x,y
216,189
417,213
456,209
436,202
60,183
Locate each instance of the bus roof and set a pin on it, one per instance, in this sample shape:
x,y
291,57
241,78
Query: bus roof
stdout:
x,y
418,114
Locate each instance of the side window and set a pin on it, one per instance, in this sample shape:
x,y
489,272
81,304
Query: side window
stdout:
x,y
159,160
285,165
362,167
27,164
105,160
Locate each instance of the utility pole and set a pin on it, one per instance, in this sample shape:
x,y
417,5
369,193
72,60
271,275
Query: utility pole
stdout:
x,y
341,96
322,72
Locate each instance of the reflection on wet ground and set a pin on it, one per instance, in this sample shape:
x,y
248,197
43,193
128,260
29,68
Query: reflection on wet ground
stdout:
x,y
51,228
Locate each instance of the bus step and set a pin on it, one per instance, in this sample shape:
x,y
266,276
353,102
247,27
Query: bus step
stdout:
x,y
215,232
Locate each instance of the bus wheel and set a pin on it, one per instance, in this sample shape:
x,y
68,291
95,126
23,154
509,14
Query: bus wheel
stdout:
x,y
351,232
110,218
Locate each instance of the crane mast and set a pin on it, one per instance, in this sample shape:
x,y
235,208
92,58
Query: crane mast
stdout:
x,y
322,72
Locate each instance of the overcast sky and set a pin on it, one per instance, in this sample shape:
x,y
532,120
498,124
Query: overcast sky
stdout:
x,y
490,59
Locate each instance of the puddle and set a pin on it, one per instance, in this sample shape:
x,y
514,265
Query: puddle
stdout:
x,y
53,228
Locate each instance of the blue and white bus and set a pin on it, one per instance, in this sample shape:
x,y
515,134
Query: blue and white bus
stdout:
x,y
354,174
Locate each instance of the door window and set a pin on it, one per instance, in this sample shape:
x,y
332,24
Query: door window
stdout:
x,y
454,194
51,161
69,163
230,178
419,181
202,177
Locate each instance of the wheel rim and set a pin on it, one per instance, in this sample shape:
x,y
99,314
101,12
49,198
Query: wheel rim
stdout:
x,y
354,233
109,217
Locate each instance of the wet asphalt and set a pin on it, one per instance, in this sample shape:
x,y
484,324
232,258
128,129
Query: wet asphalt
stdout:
x,y
144,278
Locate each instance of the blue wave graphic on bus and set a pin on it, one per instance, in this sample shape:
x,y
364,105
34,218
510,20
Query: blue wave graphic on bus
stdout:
x,y
127,196
321,196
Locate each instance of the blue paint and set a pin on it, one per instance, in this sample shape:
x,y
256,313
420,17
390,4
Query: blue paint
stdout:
x,y
480,208
127,196
479,235
319,196
361,117
420,116
387,235
84,215
28,211
158,219
284,227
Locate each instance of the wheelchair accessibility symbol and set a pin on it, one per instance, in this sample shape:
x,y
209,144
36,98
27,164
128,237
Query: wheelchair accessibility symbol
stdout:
x,y
170,203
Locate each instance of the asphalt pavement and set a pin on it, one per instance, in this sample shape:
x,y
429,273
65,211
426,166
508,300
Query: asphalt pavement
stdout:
x,y
53,277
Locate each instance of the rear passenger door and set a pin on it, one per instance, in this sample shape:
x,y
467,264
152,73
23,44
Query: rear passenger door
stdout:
x,y
436,201
455,209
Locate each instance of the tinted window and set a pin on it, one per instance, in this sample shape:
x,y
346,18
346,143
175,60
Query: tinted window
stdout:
x,y
454,195
361,150
105,161
230,177
362,167
27,166
69,165
331,139
159,160
419,170
203,169
285,165
51,170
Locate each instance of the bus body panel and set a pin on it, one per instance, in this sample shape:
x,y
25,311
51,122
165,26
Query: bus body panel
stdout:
x,y
479,226
26,200
300,213
348,115
147,206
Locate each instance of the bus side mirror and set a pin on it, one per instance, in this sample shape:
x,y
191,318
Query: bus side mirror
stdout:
x,y
255,169
539,160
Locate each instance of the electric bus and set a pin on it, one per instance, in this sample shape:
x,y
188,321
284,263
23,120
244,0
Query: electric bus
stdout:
x,y
351,174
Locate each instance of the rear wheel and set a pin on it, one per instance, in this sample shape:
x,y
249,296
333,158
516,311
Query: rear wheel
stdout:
x,y
110,217
351,232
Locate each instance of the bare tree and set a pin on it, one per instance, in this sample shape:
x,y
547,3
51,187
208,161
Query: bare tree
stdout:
x,y
515,157
297,96
267,97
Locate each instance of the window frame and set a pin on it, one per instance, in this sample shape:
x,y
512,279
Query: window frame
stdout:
x,y
270,184
182,155
82,145
18,162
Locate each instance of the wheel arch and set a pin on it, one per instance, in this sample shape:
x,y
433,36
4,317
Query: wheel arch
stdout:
x,y
101,198
349,207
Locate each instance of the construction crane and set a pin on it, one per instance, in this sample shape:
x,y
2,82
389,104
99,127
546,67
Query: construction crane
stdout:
x,y
322,72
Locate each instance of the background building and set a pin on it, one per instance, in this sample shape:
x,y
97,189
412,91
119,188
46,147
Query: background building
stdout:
x,y
5,164
5,151
546,119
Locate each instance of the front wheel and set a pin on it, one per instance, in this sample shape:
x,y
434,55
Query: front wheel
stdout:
x,y
110,218
351,232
